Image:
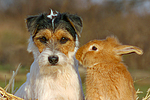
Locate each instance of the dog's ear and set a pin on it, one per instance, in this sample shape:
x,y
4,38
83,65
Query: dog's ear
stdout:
x,y
76,22
31,25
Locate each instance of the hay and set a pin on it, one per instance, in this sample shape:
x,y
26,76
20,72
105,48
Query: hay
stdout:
x,y
147,97
7,96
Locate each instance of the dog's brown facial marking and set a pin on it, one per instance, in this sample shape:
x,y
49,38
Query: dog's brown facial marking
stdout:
x,y
42,38
60,40
65,41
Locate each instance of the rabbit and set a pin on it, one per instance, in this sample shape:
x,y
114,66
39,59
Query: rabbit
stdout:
x,y
107,77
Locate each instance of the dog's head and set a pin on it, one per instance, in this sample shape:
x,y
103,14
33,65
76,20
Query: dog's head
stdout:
x,y
54,37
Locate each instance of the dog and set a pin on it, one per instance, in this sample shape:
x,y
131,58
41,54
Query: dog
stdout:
x,y
54,73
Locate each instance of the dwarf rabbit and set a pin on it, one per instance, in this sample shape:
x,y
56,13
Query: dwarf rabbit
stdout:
x,y
107,77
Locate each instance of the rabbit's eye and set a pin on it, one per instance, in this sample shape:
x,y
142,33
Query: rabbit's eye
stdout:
x,y
94,48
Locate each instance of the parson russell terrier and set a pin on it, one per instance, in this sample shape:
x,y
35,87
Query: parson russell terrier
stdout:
x,y
54,73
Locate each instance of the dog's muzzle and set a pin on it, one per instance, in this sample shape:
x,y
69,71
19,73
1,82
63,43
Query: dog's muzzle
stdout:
x,y
53,60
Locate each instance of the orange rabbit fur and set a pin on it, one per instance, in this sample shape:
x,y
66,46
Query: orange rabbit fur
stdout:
x,y
107,77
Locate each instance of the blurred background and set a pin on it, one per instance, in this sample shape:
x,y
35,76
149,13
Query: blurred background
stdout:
x,y
129,20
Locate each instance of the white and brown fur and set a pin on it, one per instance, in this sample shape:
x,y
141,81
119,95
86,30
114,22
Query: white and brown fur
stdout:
x,y
54,73
107,76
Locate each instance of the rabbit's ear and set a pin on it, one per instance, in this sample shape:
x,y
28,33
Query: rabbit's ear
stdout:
x,y
125,49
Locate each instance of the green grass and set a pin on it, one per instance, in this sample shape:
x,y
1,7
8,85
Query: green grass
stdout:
x,y
5,68
6,72
143,88
17,84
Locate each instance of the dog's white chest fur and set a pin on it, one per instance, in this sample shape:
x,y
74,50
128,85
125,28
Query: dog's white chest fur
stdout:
x,y
57,86
51,87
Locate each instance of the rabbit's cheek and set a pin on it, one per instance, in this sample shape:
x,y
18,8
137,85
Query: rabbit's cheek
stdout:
x,y
87,62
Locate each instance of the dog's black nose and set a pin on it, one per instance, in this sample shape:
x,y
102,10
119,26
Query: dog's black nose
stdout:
x,y
53,59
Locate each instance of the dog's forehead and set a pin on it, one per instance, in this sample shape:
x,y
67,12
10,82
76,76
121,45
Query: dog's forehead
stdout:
x,y
52,14
54,21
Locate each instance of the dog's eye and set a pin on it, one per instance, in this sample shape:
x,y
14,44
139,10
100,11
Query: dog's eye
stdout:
x,y
43,39
94,48
63,40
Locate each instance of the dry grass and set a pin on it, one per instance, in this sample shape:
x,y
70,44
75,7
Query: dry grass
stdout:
x,y
7,96
146,97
